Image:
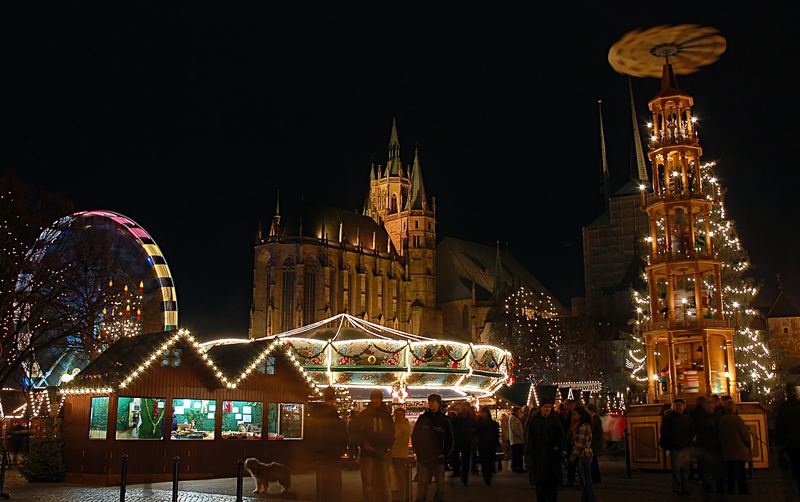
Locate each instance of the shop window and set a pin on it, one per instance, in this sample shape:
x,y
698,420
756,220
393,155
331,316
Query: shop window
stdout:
x,y
267,366
193,419
98,418
140,417
290,421
241,419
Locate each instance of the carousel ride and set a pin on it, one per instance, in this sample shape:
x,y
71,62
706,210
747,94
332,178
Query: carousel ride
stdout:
x,y
356,356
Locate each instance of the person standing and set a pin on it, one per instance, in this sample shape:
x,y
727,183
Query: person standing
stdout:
x,y
544,439
327,439
504,442
432,440
582,454
488,432
374,431
787,432
569,423
402,435
677,432
464,441
735,439
597,442
516,437
352,442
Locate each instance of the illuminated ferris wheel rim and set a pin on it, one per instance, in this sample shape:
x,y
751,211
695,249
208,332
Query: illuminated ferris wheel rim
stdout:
x,y
145,241
360,356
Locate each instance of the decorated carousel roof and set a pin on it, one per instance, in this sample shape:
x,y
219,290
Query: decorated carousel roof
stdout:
x,y
348,352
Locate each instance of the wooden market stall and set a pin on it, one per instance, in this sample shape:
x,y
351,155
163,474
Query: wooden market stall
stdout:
x,y
157,396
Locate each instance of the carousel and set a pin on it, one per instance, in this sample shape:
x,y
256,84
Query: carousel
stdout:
x,y
356,356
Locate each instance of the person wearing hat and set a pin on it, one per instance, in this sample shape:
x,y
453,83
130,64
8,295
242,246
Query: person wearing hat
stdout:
x,y
327,439
432,440
374,431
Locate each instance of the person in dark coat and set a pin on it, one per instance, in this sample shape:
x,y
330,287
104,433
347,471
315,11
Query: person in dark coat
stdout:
x,y
488,432
432,440
464,440
677,432
734,435
699,416
598,444
374,431
326,435
544,440
787,432
708,448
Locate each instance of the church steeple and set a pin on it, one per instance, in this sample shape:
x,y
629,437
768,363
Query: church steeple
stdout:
x,y
393,165
637,138
605,190
274,228
417,198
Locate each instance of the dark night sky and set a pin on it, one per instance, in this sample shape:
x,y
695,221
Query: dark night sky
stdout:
x,y
188,118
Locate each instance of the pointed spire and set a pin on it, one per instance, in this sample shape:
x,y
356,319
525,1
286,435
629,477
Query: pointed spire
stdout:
x,y
668,82
274,228
393,167
602,138
259,234
393,138
499,283
372,172
417,198
637,138
606,192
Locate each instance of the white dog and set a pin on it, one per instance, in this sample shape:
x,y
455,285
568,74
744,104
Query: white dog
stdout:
x,y
266,474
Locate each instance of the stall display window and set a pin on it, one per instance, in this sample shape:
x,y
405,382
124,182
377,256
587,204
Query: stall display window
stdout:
x,y
98,418
241,419
290,425
140,417
272,421
193,419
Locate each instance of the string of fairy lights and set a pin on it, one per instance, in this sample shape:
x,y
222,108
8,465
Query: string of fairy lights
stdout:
x,y
534,333
754,362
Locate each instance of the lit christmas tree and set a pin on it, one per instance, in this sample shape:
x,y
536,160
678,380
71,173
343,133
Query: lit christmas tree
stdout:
x,y
755,366
529,327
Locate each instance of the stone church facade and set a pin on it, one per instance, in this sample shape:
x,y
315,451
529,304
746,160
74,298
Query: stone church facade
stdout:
x,y
379,264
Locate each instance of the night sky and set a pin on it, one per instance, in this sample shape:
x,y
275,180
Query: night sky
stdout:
x,y
187,119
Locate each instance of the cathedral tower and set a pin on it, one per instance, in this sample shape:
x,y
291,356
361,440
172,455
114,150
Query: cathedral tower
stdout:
x,y
688,338
398,202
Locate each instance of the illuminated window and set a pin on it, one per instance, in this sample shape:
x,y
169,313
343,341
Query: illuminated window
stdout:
x,y
193,419
98,418
171,358
290,421
267,366
309,295
287,297
140,417
241,419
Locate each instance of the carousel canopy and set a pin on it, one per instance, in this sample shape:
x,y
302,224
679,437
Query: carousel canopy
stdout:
x,y
347,352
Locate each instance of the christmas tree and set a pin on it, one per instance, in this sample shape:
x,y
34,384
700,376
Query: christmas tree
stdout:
x,y
755,368
530,328
44,459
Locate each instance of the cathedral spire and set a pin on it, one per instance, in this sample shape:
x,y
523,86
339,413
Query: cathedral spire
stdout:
x,y
637,138
498,274
274,228
393,166
417,198
604,159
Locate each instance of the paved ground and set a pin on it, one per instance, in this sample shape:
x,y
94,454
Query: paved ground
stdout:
x,y
642,487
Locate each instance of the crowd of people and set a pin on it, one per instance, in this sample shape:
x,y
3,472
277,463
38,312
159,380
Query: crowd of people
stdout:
x,y
539,441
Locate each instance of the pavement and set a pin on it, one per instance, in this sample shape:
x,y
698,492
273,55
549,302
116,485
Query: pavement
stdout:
x,y
766,485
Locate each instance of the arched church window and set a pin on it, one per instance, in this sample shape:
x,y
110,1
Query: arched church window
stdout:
x,y
287,295
309,295
393,207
